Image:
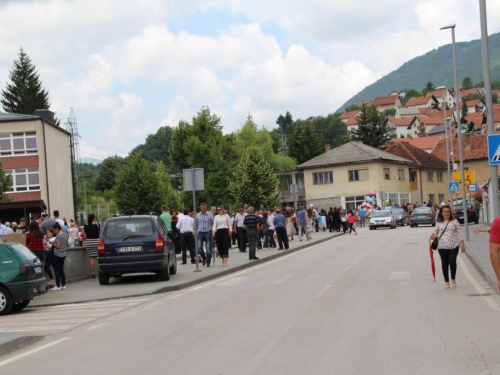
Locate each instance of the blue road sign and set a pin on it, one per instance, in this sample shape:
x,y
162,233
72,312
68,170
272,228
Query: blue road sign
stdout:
x,y
494,149
472,188
453,186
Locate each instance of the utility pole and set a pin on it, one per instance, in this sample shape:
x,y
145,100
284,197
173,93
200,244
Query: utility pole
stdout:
x,y
493,186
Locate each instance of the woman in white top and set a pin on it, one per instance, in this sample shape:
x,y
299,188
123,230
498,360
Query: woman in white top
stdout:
x,y
221,231
450,237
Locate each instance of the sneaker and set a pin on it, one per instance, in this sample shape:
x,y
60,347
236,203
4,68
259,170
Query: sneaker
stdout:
x,y
55,288
63,287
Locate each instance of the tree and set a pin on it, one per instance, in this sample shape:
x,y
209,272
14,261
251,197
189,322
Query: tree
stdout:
x,y
465,110
107,172
157,146
25,93
331,129
412,93
352,107
467,83
372,128
254,182
4,183
428,88
389,112
137,189
305,143
167,195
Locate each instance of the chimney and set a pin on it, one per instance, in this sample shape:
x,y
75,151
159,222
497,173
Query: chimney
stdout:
x,y
328,147
45,114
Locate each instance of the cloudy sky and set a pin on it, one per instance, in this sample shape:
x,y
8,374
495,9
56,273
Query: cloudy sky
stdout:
x,y
129,67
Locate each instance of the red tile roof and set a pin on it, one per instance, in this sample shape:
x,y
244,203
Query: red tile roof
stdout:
x,y
352,120
468,92
474,146
418,100
436,118
476,118
473,102
427,110
423,143
404,121
346,115
421,158
436,93
385,100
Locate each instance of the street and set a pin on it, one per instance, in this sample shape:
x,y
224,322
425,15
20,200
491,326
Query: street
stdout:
x,y
363,304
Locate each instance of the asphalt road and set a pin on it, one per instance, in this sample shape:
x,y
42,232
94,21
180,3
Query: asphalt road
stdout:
x,y
363,304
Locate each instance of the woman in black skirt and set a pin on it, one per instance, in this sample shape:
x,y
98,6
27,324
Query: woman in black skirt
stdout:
x,y
221,231
92,232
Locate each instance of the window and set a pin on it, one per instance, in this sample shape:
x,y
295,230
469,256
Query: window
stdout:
x,y
358,175
322,178
25,179
12,144
395,198
413,176
430,176
387,173
431,198
353,202
401,175
441,198
439,178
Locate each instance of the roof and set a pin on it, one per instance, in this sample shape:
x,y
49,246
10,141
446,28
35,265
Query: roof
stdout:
x,y
474,146
435,118
473,102
476,118
427,110
437,93
385,100
423,143
438,129
346,115
417,100
408,111
469,92
419,157
404,121
352,152
15,117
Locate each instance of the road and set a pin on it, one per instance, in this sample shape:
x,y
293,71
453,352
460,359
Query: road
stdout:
x,y
363,304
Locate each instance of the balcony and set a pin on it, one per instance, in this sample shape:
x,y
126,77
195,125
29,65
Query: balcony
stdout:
x,y
413,186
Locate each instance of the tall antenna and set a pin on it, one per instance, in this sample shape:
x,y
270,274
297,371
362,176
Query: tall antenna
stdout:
x,y
72,128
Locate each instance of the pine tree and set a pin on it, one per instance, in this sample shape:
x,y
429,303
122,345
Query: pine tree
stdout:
x,y
25,93
372,128
467,83
428,88
4,183
254,182
465,109
304,143
137,188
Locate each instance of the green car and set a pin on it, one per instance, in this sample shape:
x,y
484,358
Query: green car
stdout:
x,y
21,277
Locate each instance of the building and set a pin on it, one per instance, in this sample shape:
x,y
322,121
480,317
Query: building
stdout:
x,y
344,176
351,120
422,101
36,154
387,102
424,143
407,112
286,180
428,176
402,126
443,96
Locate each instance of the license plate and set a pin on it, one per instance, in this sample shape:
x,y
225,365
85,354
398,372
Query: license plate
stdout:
x,y
38,269
130,249
460,217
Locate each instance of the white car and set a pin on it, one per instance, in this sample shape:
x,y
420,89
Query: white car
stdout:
x,y
382,219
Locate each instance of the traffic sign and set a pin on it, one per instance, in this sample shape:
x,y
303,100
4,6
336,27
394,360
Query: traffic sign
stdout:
x,y
469,177
472,188
453,186
494,149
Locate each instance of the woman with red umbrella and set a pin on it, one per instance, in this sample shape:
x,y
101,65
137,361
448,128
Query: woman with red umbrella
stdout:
x,y
451,238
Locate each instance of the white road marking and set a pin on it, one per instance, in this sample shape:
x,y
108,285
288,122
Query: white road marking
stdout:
x,y
283,279
234,281
256,267
28,353
488,299
96,326
176,296
364,256
323,291
400,275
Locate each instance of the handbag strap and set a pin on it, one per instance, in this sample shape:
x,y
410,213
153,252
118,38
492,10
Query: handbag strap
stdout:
x,y
446,227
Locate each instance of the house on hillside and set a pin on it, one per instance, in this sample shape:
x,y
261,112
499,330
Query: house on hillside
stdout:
x,y
387,102
407,112
443,96
428,175
428,122
351,120
426,144
402,126
473,91
432,109
475,105
422,101
345,175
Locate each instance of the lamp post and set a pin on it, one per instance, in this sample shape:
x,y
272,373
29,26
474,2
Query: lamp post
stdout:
x,y
446,138
459,128
489,105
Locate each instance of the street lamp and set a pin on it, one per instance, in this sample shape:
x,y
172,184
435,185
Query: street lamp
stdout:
x,y
459,128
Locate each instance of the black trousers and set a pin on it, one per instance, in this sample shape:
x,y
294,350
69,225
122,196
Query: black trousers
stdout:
x,y
223,241
449,260
351,228
252,239
242,239
186,242
282,237
58,264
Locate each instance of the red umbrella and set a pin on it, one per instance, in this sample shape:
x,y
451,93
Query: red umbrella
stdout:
x,y
433,266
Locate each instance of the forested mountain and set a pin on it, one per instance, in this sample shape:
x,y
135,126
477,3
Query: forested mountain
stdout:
x,y
435,66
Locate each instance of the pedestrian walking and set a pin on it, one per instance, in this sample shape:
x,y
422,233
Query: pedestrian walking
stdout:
x,y
60,244
451,238
270,218
92,233
337,222
362,216
165,217
221,232
344,221
185,225
351,219
279,223
252,226
331,220
302,224
289,226
203,223
240,228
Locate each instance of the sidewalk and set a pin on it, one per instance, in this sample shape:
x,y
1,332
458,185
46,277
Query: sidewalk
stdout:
x,y
478,252
138,285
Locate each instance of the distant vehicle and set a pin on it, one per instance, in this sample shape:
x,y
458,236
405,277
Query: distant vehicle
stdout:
x,y
401,216
422,216
21,277
458,212
135,244
382,218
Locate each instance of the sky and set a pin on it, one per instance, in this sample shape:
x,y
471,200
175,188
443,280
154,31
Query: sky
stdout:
x,y
127,68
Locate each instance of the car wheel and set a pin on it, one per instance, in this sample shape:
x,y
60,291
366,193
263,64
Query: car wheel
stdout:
x,y
433,224
416,225
103,278
476,221
164,274
20,305
5,301
173,268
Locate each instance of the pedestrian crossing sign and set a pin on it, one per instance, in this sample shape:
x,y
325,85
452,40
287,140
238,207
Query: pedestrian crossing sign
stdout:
x,y
453,186
494,149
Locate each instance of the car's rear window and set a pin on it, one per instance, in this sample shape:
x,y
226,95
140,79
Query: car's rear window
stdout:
x,y
23,252
422,210
461,207
381,214
397,211
133,226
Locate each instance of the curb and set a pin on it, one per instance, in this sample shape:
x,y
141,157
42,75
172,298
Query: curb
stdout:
x,y
203,279
493,283
19,343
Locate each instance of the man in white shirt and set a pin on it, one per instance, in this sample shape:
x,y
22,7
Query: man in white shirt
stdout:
x,y
240,228
4,229
270,219
185,225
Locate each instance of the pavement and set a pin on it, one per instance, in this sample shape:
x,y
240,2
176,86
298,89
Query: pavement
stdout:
x,y
363,304
478,252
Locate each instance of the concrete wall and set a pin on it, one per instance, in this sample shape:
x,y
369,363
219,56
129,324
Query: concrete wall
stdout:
x,y
76,264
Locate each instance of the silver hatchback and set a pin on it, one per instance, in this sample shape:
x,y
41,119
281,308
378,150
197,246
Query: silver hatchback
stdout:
x,y
382,219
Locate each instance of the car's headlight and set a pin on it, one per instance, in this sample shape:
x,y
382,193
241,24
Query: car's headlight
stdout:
x,y
389,220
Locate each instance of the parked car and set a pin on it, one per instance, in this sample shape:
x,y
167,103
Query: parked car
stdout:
x,y
422,216
382,219
401,216
21,277
135,244
458,212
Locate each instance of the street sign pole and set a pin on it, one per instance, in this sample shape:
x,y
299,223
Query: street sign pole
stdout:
x,y
194,180
194,216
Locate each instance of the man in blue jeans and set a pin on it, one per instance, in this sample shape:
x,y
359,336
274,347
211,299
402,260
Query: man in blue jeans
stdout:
x,y
203,224
302,224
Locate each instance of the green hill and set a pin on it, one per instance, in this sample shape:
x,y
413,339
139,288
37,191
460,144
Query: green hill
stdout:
x,y
435,66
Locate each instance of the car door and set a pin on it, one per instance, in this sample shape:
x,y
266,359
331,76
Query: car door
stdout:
x,y
9,265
